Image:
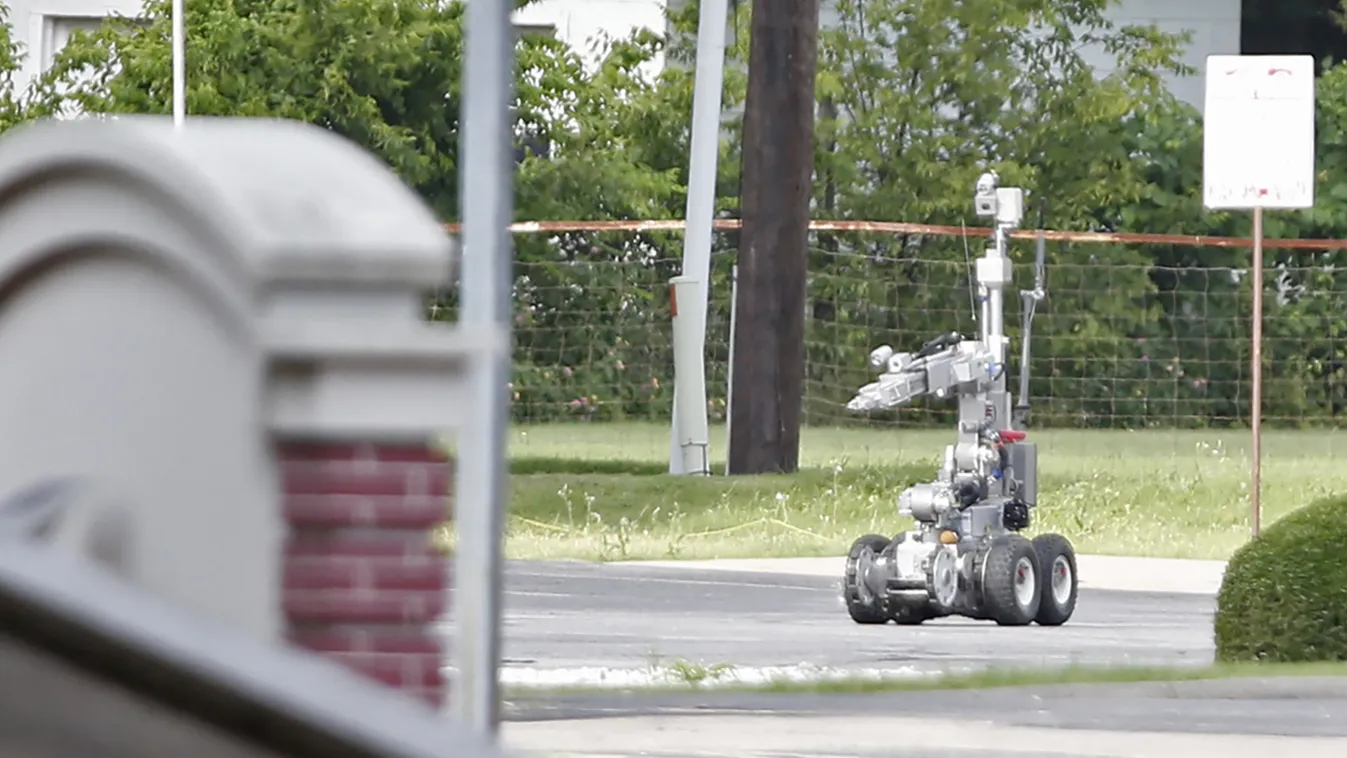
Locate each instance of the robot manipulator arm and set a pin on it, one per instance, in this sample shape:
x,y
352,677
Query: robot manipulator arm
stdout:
x,y
942,365
890,391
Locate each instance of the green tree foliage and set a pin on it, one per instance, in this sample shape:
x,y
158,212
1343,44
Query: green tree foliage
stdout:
x,y
922,96
1306,296
592,314
597,142
383,74
916,98
17,103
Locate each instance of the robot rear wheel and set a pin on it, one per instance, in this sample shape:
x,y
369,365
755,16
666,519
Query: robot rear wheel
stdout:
x,y
1012,591
1057,567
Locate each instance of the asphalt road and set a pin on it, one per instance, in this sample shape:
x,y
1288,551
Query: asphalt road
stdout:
x,y
568,616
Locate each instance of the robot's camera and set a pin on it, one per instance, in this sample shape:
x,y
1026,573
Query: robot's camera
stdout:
x,y
984,201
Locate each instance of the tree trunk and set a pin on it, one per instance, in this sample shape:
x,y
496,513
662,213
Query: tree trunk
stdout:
x,y
778,155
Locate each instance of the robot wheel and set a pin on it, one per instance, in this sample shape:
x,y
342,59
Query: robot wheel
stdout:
x,y
863,605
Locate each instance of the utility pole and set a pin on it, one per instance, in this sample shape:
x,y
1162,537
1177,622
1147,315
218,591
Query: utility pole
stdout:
x,y
778,167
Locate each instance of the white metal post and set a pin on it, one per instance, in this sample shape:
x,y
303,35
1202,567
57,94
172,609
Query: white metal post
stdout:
x,y
179,64
485,290
693,436
701,202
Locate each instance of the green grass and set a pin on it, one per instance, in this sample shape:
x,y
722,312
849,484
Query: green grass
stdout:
x,y
701,678
598,491
1028,677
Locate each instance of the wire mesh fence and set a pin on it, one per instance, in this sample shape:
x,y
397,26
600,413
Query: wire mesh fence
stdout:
x,y
1137,331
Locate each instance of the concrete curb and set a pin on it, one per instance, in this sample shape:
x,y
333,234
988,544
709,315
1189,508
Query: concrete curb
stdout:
x,y
769,734
1099,572
1233,688
543,705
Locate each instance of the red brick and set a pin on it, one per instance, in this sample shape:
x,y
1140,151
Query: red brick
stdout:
x,y
359,543
341,572
363,607
362,582
350,478
369,639
400,512
360,451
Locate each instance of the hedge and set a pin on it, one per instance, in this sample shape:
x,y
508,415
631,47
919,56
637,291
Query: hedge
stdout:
x,y
1284,595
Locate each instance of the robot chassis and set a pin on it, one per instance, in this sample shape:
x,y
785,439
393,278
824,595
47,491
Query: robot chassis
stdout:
x,y
966,555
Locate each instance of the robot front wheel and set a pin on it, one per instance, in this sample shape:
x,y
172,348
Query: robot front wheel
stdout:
x,y
862,605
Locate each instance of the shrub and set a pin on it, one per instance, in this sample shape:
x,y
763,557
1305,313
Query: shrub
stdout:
x,y
1284,596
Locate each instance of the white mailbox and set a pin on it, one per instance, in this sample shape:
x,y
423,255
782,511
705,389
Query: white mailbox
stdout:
x,y
214,338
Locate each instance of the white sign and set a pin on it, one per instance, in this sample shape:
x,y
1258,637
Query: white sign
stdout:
x,y
1258,129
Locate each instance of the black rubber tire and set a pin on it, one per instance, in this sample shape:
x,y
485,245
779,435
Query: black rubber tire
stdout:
x,y
1049,548
911,615
1007,557
859,611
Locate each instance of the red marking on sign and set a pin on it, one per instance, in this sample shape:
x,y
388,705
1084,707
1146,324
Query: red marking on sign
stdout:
x,y
1275,71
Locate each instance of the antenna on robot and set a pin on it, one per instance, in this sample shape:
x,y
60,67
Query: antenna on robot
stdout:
x,y
1029,300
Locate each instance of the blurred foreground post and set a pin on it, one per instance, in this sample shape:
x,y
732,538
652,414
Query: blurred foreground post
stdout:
x,y
485,287
778,148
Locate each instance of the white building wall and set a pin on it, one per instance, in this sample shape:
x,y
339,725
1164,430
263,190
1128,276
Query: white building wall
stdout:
x,y
42,27
1213,24
583,23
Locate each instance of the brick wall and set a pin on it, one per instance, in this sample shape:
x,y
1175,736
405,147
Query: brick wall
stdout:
x,y
362,582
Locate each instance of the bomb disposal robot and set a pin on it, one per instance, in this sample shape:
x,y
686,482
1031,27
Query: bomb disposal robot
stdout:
x,y
966,555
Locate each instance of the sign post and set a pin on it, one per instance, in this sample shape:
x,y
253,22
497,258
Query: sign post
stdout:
x,y
1258,153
